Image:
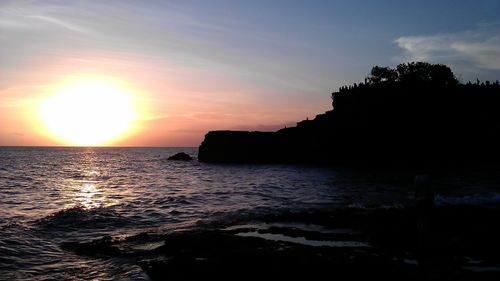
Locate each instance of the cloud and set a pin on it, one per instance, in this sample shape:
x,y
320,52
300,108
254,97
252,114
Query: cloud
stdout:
x,y
485,54
479,48
422,48
61,23
169,32
25,17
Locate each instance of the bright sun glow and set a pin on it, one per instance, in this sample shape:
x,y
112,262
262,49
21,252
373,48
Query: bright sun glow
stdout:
x,y
88,112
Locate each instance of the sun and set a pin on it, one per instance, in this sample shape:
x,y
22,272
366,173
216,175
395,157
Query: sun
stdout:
x,y
88,112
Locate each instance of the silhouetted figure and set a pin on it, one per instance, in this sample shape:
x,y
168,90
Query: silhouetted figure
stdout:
x,y
424,199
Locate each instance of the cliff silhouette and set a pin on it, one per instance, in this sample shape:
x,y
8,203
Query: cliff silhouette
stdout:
x,y
416,115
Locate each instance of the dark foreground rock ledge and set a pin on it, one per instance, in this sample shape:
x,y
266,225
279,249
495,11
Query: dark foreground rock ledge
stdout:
x,y
442,243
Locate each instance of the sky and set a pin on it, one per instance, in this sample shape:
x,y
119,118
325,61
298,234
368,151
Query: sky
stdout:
x,y
195,66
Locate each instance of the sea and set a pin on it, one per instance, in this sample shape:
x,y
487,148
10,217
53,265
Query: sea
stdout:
x,y
51,196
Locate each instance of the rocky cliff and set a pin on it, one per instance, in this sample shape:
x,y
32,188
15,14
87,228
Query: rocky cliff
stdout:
x,y
396,123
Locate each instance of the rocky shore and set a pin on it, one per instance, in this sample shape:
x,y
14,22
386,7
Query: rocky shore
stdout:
x,y
446,243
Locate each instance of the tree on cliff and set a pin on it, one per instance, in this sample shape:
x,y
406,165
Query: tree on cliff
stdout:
x,y
414,73
382,74
405,78
426,73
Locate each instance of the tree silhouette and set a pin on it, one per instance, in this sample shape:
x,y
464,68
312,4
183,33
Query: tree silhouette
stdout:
x,y
425,73
382,74
414,73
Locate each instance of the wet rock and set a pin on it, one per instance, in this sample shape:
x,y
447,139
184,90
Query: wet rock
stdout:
x,y
397,254
216,254
99,247
459,243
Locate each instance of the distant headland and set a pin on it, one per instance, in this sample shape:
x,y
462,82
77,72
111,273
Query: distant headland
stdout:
x,y
417,115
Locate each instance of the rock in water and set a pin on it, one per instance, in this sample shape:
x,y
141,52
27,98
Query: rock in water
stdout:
x,y
180,156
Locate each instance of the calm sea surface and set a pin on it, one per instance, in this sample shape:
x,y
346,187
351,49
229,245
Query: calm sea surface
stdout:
x,y
50,196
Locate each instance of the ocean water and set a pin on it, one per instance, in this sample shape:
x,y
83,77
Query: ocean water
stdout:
x,y
52,196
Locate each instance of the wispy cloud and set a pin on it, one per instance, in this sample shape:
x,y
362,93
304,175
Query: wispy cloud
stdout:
x,y
60,23
422,48
478,48
485,54
167,32
24,16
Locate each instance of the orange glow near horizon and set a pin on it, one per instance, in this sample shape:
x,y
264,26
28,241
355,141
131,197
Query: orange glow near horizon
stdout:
x,y
123,100
88,112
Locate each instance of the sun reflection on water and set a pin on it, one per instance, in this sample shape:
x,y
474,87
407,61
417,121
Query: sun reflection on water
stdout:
x,y
89,196
87,183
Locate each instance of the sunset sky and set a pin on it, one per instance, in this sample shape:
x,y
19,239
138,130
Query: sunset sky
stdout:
x,y
177,69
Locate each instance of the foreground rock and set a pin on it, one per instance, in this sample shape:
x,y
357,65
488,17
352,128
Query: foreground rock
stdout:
x,y
445,243
221,256
181,156
450,243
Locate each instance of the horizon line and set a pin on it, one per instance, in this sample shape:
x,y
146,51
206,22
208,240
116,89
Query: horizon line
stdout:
x,y
76,146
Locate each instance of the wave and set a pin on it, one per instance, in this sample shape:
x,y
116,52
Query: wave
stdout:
x,y
467,200
80,216
89,178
